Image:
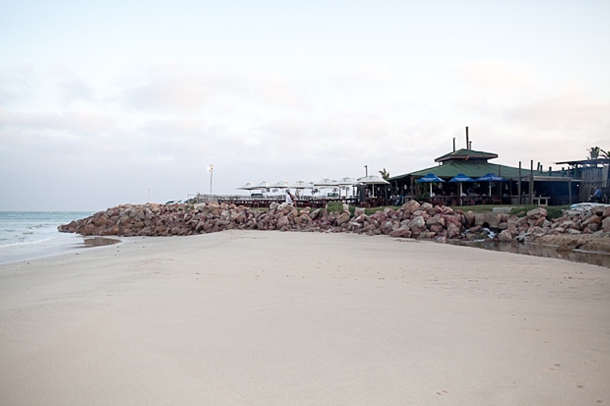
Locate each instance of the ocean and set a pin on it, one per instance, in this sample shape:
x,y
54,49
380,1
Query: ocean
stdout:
x,y
27,235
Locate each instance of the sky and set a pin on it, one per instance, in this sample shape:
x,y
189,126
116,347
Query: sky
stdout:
x,y
110,102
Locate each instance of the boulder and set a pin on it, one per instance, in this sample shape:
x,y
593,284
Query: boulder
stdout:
x,y
359,211
342,219
537,212
418,222
505,236
410,206
469,219
453,231
402,232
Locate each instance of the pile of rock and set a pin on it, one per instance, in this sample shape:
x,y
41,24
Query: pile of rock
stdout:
x,y
412,220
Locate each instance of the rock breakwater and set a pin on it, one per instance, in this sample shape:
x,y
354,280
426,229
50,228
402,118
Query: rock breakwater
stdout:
x,y
584,229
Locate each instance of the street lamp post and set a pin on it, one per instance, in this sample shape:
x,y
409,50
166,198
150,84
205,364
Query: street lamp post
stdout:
x,y
211,170
366,170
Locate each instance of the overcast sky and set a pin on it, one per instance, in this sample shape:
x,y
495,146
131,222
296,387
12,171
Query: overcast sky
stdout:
x,y
101,100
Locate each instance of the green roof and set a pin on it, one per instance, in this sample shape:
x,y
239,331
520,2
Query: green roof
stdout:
x,y
470,168
466,154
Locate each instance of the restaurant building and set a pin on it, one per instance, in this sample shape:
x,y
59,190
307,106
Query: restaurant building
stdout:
x,y
518,185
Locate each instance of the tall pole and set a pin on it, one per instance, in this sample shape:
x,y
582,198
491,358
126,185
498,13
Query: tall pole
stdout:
x,y
519,185
366,170
531,191
211,170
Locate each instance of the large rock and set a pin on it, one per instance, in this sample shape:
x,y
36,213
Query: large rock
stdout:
x,y
469,219
537,212
403,232
453,231
437,219
418,222
505,236
410,207
359,211
342,219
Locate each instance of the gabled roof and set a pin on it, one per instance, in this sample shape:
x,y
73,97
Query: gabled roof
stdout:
x,y
466,154
470,168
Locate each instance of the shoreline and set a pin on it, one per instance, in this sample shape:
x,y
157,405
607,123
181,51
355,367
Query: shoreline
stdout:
x,y
24,252
548,250
276,317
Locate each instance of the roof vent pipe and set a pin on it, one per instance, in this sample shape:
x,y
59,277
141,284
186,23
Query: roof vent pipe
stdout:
x,y
453,144
470,145
467,142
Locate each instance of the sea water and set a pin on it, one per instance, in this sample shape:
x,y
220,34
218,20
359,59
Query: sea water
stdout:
x,y
26,235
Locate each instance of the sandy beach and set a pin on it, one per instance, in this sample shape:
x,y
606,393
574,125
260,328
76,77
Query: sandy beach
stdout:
x,y
272,318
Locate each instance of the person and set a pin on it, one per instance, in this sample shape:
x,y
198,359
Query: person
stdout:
x,y
597,195
289,197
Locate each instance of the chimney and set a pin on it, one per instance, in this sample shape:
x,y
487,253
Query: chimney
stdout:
x,y
470,145
467,142
453,144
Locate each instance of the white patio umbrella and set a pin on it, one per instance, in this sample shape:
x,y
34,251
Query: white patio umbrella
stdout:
x,y
263,185
327,183
373,180
299,184
247,186
280,185
348,182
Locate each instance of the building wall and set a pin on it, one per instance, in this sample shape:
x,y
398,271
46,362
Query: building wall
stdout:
x,y
591,179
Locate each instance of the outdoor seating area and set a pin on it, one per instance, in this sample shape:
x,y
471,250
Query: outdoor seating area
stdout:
x,y
361,191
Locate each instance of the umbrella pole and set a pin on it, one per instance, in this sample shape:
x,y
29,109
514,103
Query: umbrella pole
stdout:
x,y
430,189
460,188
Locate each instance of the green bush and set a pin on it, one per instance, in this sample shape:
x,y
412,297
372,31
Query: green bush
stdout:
x,y
334,207
555,211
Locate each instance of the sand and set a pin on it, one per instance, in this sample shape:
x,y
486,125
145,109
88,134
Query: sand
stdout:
x,y
271,318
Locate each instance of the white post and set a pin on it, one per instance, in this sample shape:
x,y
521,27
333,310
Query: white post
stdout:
x,y
211,170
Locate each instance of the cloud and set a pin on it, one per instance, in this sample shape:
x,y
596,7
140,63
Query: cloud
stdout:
x,y
369,74
276,91
15,83
570,111
68,123
178,88
497,75
75,90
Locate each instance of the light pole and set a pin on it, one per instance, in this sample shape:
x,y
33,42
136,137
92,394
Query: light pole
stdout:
x,y
211,170
366,170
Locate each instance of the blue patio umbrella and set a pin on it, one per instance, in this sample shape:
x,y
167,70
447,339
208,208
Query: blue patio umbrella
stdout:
x,y
430,178
461,178
490,177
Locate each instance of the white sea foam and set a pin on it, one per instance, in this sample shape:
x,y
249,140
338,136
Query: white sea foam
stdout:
x,y
27,235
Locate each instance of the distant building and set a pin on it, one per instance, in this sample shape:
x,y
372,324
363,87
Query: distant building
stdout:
x,y
522,185
591,174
